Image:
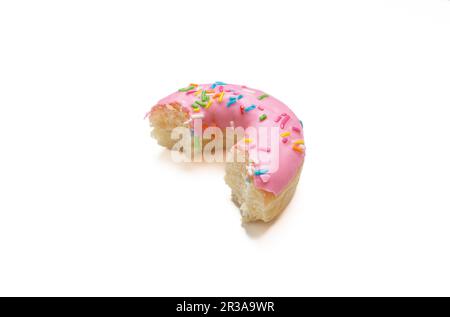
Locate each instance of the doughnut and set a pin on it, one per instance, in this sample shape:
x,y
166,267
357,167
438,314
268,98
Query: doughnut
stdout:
x,y
267,158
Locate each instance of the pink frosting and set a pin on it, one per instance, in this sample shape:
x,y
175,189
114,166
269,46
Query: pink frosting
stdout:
x,y
271,172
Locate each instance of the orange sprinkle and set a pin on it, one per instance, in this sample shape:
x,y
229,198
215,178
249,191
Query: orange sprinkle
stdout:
x,y
195,85
299,141
198,92
196,109
216,95
297,148
284,134
210,91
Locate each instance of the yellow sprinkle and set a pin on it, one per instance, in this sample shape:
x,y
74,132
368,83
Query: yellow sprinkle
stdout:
x,y
287,133
248,140
198,92
221,96
208,104
297,148
196,109
299,141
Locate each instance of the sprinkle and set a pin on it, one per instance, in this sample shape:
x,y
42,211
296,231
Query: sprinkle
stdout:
x,y
221,96
195,85
296,129
201,104
191,92
187,88
221,88
250,108
242,109
208,104
248,140
196,110
231,101
263,96
299,141
262,117
297,148
284,121
261,108
284,140
196,142
278,118
204,96
194,105
198,92
239,97
265,177
287,133
220,83
213,86
210,91
261,172
197,116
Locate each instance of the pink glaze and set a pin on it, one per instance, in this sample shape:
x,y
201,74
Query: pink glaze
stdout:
x,y
281,168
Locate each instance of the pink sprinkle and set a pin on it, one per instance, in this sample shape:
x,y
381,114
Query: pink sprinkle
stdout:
x,y
265,177
227,90
260,107
283,122
278,119
235,93
190,92
296,129
285,140
220,88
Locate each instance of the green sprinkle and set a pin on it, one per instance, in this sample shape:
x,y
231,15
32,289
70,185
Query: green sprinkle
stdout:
x,y
262,117
187,88
195,106
201,104
263,96
196,142
203,95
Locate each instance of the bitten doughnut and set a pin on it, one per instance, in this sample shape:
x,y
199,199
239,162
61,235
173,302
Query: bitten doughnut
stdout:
x,y
271,152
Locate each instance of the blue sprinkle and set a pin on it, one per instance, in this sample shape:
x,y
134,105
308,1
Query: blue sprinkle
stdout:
x,y
239,97
249,108
213,86
232,101
261,172
220,83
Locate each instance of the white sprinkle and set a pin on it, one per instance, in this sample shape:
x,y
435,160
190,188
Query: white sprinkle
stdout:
x,y
197,116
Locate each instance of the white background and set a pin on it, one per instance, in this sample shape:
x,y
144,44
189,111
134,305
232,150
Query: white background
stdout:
x,y
90,205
